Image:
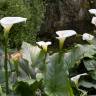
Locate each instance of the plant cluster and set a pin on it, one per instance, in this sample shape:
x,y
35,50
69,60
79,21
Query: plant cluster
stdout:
x,y
35,71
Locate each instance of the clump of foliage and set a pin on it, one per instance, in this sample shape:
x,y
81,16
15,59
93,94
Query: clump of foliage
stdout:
x,y
33,10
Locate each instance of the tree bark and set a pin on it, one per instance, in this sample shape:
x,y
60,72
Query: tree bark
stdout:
x,y
67,14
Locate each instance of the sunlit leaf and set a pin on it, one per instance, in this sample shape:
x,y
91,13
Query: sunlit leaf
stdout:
x,y
30,52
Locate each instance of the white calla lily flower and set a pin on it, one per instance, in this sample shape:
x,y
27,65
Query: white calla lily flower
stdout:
x,y
93,21
92,11
76,78
8,22
87,37
63,34
44,45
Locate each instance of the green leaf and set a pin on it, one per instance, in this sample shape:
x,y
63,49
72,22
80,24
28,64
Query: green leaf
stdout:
x,y
87,84
1,92
29,88
34,55
56,80
40,63
23,89
24,66
93,74
76,78
90,65
30,52
78,53
2,76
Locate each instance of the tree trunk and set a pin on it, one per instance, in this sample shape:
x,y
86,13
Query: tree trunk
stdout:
x,y
67,14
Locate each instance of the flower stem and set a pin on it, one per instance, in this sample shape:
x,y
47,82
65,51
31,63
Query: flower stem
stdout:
x,y
61,43
16,68
6,66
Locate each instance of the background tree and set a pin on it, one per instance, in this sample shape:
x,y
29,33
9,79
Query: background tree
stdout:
x,y
67,14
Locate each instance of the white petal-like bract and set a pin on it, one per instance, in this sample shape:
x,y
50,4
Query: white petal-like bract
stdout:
x,y
87,37
7,22
92,11
43,44
12,20
77,77
65,33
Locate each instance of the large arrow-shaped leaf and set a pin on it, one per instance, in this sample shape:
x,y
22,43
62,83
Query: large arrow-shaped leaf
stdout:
x,y
56,80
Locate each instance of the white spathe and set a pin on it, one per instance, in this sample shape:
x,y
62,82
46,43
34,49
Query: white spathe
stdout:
x,y
87,37
93,21
76,78
63,34
7,22
92,11
44,45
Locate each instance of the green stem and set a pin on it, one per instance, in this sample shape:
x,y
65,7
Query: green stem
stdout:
x,y
45,67
45,61
66,75
16,68
6,66
61,43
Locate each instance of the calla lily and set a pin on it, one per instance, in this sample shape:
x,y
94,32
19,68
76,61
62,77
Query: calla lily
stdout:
x,y
63,34
87,37
92,11
7,22
93,21
76,78
44,45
